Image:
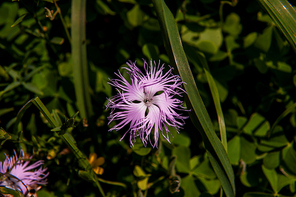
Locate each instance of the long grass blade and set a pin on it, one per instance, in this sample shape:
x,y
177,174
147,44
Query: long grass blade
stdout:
x,y
172,41
216,98
284,16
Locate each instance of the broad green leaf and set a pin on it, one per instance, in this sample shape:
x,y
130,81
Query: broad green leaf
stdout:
x,y
248,151
140,149
241,122
230,43
65,68
250,39
209,40
285,181
290,159
183,158
212,186
190,189
151,51
3,14
261,65
219,56
85,175
143,183
181,139
202,121
103,8
272,160
135,16
272,178
102,79
274,142
203,169
19,20
249,177
234,150
232,24
257,125
263,40
284,16
139,172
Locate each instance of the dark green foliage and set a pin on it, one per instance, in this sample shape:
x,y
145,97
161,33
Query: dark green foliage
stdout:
x,y
248,58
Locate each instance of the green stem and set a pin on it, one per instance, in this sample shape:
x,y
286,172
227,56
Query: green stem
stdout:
x,y
80,68
111,182
63,21
68,139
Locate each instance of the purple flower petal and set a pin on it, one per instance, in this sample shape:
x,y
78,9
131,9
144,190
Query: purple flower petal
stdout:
x,y
147,103
17,174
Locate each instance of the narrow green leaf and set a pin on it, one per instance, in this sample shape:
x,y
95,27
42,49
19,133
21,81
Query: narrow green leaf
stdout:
x,y
219,158
68,139
31,87
21,113
38,103
284,16
10,87
216,98
20,19
57,117
6,110
33,72
57,40
284,114
10,192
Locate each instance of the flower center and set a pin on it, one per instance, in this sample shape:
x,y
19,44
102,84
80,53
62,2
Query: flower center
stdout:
x,y
148,101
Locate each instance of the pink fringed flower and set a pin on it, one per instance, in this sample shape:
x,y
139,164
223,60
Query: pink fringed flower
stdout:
x,y
147,102
19,175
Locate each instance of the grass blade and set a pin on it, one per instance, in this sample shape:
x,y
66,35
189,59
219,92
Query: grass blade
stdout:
x,y
172,41
284,16
216,99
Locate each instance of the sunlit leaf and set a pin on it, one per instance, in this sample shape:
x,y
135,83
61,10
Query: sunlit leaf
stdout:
x,y
19,20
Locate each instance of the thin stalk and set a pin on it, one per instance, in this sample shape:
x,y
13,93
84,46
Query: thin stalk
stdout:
x,y
66,137
111,182
63,21
80,68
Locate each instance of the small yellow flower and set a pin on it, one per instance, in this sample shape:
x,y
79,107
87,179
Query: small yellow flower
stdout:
x,y
96,163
